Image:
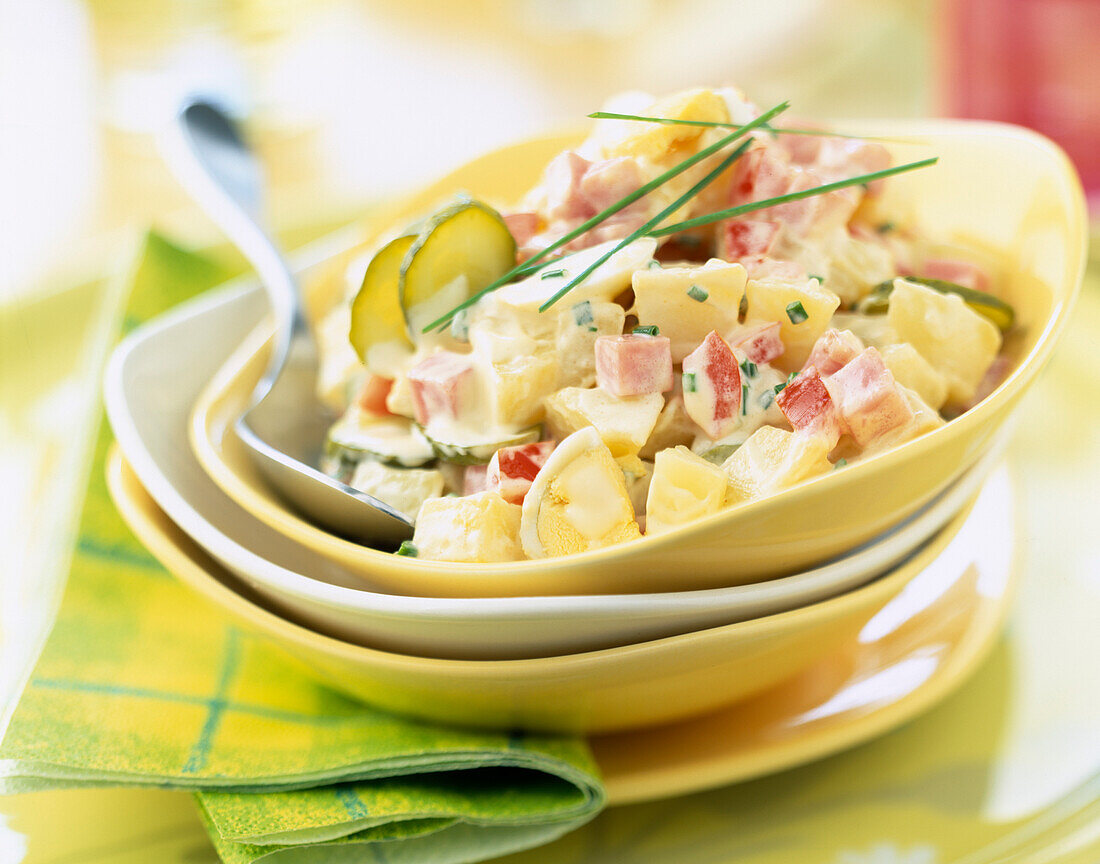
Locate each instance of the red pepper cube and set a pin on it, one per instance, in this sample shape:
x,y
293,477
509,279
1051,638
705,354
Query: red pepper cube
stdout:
x,y
759,342
712,387
441,384
743,238
833,350
634,365
867,398
512,469
807,405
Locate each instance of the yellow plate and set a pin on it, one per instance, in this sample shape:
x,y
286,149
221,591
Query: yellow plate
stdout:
x,y
639,685
1035,225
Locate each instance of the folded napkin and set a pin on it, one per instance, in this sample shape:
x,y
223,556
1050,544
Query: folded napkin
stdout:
x,y
141,682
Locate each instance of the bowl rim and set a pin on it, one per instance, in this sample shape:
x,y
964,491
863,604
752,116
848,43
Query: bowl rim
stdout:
x,y
199,576
1063,298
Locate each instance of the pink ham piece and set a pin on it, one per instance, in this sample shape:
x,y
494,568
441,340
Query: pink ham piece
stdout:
x,y
960,272
833,350
562,181
522,227
634,365
760,343
712,387
440,385
763,172
808,407
372,398
607,182
837,158
474,480
512,469
867,398
742,238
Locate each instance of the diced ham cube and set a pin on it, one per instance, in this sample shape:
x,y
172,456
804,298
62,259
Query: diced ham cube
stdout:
x,y
512,469
761,173
634,365
564,199
759,342
607,182
818,212
372,398
960,272
867,398
808,407
742,238
837,158
833,350
475,479
522,226
440,385
712,387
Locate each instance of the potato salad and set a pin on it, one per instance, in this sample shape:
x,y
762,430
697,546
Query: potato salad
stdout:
x,y
696,308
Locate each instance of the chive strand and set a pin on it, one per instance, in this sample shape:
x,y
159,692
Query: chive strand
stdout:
x,y
672,121
649,225
526,266
730,212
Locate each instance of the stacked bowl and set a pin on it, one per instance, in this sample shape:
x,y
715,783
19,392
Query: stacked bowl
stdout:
x,y
768,608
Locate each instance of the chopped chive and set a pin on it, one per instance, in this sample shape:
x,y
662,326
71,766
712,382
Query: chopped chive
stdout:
x,y
820,279
460,326
744,399
749,368
885,227
654,264
766,399
647,330
779,388
407,549
689,382
582,313
730,212
797,312
552,274
840,463
669,121
592,328
652,223
625,201
697,294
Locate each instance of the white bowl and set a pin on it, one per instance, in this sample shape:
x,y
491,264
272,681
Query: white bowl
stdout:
x,y
151,383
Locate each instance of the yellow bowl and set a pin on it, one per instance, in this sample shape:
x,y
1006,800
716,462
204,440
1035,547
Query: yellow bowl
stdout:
x,y
634,686
1002,189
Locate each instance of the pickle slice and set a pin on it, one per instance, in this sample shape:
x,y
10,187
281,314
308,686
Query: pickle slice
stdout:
x,y
460,250
479,451
993,308
376,316
392,440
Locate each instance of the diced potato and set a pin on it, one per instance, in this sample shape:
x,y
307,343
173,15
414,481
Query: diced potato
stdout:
x,y
578,501
673,427
517,389
770,299
400,398
773,459
404,489
959,343
607,281
623,422
477,529
685,487
578,327
925,419
654,141
913,371
686,303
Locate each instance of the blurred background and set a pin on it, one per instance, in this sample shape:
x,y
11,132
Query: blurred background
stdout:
x,y
351,100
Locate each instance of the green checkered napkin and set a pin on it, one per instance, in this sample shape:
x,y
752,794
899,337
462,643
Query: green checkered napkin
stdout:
x,y
141,682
